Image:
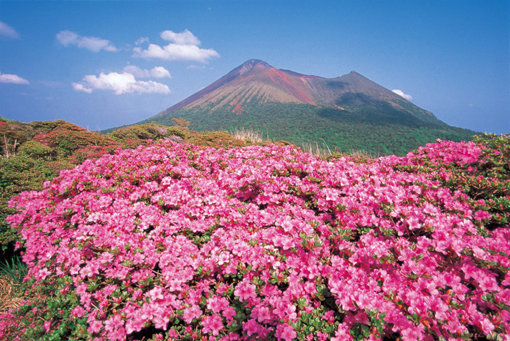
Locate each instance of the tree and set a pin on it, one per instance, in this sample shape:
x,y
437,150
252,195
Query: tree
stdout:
x,y
10,139
180,122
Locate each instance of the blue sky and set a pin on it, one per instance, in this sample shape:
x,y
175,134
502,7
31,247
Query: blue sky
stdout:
x,y
101,64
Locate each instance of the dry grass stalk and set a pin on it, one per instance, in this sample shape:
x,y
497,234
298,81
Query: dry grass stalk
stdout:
x,y
9,296
248,135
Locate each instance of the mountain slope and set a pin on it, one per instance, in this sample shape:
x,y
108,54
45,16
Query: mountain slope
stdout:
x,y
348,113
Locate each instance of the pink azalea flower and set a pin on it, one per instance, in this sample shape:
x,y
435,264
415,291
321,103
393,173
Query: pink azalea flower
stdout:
x,y
78,311
47,325
245,291
285,332
212,324
217,304
95,327
191,313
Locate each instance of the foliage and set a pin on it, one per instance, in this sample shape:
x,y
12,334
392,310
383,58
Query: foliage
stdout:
x,y
91,152
17,174
67,138
187,242
36,150
215,139
10,139
180,122
144,131
178,131
12,274
497,154
15,270
59,164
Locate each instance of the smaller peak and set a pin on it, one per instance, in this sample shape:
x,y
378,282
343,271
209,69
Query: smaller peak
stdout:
x,y
354,75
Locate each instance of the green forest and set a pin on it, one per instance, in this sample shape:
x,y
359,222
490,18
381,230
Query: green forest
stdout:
x,y
378,132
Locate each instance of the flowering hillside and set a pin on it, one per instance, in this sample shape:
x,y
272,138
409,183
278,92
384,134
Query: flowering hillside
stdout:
x,y
34,152
184,242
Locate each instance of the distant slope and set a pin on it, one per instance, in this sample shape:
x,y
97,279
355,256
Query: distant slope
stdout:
x,y
345,113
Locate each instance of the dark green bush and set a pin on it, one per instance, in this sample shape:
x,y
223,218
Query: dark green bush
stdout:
x,y
17,174
36,150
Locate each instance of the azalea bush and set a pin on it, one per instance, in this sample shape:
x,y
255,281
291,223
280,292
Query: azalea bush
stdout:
x,y
55,145
481,173
66,138
172,241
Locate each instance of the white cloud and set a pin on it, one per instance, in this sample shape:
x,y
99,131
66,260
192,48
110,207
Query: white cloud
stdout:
x,y
81,87
402,94
160,72
184,46
12,79
91,43
183,38
137,72
7,31
141,40
119,83
176,52
67,37
155,72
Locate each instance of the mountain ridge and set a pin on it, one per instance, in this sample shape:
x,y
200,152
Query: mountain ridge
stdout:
x,y
296,88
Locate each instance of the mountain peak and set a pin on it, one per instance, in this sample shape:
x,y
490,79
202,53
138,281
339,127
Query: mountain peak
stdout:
x,y
255,81
255,62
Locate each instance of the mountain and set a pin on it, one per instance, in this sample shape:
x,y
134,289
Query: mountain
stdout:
x,y
347,113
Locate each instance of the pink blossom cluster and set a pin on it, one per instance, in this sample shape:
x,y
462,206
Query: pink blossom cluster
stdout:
x,y
447,152
249,242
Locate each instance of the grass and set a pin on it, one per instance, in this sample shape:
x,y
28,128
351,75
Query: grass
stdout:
x,y
11,279
14,271
248,135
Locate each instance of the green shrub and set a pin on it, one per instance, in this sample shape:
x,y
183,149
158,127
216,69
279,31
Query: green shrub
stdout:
x,y
17,174
15,271
36,150
215,139
178,131
57,165
144,131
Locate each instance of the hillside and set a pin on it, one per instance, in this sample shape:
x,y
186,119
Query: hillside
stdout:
x,y
32,153
347,113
